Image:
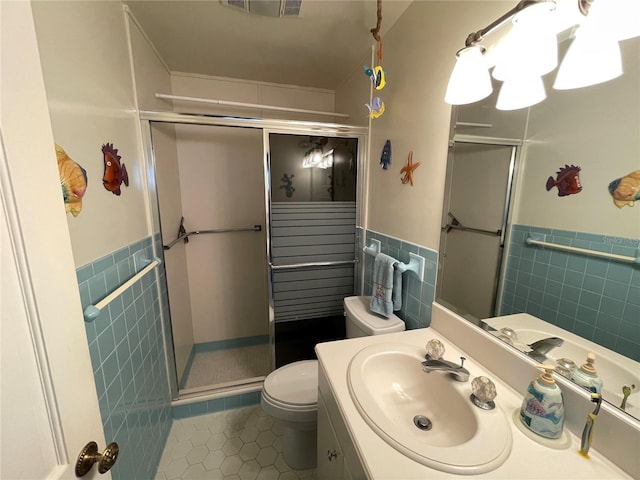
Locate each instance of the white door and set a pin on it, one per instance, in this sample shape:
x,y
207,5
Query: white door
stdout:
x,y
48,403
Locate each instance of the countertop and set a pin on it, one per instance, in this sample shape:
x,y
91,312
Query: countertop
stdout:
x,y
527,460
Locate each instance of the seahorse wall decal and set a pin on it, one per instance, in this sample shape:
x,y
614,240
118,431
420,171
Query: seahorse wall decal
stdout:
x,y
287,180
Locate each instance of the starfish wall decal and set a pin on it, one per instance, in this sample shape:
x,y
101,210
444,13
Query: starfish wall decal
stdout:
x,y
408,169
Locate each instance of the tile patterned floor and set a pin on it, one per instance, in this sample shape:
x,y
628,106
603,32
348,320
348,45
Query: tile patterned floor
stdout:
x,y
241,444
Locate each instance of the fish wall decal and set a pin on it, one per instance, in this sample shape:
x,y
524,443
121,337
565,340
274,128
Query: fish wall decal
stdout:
x,y
377,76
626,190
567,180
115,172
385,158
376,107
73,181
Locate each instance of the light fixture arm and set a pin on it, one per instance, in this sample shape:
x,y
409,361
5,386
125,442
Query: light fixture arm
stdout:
x,y
584,5
475,38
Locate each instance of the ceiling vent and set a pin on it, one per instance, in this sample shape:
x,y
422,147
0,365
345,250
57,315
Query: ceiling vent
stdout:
x,y
267,8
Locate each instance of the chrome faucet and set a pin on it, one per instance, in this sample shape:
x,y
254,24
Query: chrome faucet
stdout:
x,y
458,372
540,348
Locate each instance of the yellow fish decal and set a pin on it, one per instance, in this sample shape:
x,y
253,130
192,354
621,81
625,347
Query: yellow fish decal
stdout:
x,y
626,190
73,181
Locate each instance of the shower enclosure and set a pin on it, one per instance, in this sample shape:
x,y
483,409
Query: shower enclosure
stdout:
x,y
477,195
257,219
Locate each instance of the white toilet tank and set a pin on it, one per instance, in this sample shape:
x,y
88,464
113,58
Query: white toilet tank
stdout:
x,y
360,322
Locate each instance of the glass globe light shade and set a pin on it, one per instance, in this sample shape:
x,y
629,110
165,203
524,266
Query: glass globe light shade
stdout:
x,y
470,80
531,47
520,92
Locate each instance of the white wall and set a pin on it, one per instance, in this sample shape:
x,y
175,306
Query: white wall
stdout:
x,y
596,128
419,53
85,61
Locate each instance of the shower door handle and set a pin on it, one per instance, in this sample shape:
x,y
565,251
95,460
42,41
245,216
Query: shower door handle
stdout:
x,y
455,224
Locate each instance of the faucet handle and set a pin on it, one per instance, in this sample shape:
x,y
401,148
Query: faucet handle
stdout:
x,y
484,391
435,349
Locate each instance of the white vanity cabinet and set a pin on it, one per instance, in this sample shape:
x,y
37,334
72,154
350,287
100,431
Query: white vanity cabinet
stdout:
x,y
330,456
337,456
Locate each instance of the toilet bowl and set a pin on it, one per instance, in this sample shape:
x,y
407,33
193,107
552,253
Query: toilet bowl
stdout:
x,y
290,393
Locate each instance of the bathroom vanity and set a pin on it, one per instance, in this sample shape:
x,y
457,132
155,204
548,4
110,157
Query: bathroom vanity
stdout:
x,y
356,441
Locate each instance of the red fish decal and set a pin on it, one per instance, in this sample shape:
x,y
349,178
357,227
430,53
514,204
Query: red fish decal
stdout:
x,y
115,173
567,181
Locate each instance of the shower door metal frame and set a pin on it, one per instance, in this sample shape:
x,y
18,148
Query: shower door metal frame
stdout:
x,y
268,126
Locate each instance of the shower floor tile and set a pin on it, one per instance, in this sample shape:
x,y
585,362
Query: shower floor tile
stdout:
x,y
228,365
243,444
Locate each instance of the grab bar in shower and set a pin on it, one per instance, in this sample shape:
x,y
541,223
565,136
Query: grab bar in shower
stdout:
x,y
93,311
456,225
312,264
185,236
415,265
537,240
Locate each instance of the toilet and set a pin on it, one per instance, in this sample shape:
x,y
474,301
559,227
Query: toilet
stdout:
x,y
290,393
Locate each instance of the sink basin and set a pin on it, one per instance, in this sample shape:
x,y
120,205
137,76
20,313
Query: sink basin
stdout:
x,y
390,390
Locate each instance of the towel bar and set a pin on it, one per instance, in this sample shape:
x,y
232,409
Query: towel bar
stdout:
x,y
93,311
312,264
536,240
415,265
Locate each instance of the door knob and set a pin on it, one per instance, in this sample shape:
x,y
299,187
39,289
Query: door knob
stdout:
x,y
90,455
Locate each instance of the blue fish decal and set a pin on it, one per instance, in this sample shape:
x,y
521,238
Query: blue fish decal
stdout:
x,y
376,107
385,158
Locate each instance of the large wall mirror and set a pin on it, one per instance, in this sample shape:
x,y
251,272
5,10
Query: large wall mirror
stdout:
x,y
547,174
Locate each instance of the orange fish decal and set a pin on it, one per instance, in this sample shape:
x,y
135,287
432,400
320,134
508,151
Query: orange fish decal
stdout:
x,y
115,172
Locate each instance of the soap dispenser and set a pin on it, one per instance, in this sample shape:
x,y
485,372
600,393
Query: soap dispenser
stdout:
x,y
586,376
542,409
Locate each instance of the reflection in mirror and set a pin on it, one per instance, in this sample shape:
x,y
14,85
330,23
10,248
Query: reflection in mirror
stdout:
x,y
312,232
591,302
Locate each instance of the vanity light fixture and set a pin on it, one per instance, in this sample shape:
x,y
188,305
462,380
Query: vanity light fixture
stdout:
x,y
594,54
469,81
312,158
530,50
520,92
315,157
517,55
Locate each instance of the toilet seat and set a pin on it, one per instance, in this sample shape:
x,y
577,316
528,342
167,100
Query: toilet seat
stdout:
x,y
294,386
290,393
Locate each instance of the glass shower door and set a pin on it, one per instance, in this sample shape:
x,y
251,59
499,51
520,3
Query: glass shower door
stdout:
x,y
311,237
474,217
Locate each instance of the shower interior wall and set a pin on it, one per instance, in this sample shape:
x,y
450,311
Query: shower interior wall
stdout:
x,y
192,295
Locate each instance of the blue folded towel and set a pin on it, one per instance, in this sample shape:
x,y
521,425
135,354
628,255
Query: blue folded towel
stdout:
x,y
387,286
397,290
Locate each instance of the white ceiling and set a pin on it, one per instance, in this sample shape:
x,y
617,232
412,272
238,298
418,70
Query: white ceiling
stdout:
x,y
320,48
